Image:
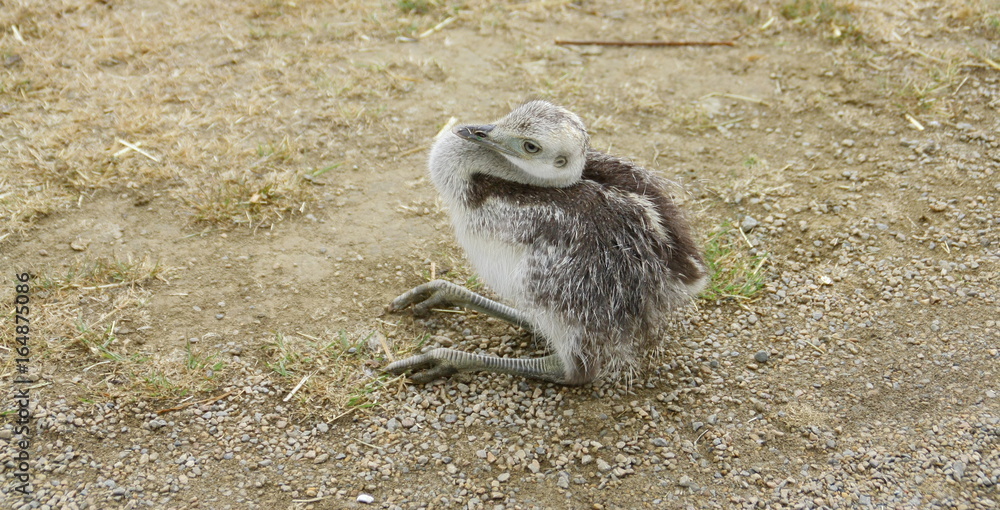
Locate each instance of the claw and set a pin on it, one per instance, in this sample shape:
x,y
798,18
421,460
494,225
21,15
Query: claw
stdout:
x,y
423,368
415,297
438,372
404,300
424,307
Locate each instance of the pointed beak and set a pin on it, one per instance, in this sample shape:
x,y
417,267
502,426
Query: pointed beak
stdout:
x,y
481,135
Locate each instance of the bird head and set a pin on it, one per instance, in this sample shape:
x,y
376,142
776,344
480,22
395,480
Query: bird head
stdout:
x,y
546,143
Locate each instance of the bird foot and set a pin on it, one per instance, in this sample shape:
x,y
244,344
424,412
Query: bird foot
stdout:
x,y
424,368
422,297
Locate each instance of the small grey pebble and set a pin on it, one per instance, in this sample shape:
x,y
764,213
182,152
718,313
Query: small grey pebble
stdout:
x,y
603,466
220,316
761,357
958,470
563,481
748,224
660,442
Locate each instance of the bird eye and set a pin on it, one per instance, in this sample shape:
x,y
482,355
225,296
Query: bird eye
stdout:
x,y
560,162
531,147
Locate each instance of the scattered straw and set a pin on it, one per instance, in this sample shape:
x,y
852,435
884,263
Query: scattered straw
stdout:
x,y
17,34
409,152
313,500
737,97
437,27
198,402
991,63
916,124
819,348
297,386
651,44
96,364
136,148
447,127
385,348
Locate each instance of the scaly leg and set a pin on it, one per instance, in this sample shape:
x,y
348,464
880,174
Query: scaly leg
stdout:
x,y
440,292
443,362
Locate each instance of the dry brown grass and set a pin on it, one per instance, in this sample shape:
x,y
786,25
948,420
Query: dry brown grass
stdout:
x,y
331,373
77,311
201,89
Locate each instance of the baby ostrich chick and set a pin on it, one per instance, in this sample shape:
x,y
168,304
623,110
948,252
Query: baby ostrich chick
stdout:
x,y
589,250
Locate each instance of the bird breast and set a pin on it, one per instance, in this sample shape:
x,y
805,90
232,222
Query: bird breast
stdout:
x,y
499,262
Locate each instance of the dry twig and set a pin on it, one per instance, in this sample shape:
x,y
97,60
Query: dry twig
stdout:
x,y
296,388
561,42
189,404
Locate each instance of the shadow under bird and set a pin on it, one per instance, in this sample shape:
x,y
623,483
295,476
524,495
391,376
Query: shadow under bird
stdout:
x,y
587,250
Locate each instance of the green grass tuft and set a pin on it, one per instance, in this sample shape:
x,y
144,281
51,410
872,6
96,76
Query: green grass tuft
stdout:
x,y
823,14
736,274
414,6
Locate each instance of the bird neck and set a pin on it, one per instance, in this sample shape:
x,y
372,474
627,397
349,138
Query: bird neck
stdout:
x,y
454,163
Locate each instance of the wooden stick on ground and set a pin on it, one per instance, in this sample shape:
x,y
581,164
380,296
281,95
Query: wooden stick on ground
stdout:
x,y
561,42
199,402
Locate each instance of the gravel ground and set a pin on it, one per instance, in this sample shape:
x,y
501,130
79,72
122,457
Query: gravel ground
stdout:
x,y
823,394
864,374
